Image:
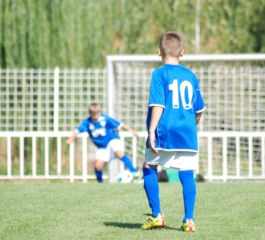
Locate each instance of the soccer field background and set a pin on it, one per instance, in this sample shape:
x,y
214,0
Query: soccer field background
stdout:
x,y
117,211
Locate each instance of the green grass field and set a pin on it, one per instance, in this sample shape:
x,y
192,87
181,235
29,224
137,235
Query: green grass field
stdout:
x,y
116,211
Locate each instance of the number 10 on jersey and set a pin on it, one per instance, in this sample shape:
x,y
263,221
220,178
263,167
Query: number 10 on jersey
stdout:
x,y
185,90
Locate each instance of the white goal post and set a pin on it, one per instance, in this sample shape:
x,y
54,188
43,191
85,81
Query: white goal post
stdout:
x,y
233,87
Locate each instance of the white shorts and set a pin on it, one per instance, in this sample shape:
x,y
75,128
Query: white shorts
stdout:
x,y
173,159
108,153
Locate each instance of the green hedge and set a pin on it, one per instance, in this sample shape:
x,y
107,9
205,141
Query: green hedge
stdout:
x,y
80,33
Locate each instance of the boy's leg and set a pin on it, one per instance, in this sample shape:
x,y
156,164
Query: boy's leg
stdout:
x,y
102,156
187,163
189,197
151,188
127,161
117,147
99,164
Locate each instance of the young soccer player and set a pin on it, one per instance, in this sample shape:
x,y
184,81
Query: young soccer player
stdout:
x,y
175,108
102,131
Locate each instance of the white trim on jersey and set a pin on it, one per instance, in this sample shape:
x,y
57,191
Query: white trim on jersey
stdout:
x,y
200,110
156,105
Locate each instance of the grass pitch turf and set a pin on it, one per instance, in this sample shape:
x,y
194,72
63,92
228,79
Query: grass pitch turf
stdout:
x,y
117,211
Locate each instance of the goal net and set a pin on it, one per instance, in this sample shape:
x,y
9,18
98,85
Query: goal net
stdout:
x,y
232,86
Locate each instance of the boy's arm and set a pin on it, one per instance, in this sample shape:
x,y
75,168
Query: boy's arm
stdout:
x,y
127,128
72,138
155,117
83,127
198,117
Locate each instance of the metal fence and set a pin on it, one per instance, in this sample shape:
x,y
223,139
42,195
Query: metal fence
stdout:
x,y
48,99
76,166
40,107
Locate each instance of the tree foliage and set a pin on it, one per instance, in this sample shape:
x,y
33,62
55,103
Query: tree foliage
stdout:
x,y
80,33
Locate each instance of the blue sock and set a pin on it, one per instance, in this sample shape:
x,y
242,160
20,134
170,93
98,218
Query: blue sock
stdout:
x,y
128,163
151,188
99,174
189,193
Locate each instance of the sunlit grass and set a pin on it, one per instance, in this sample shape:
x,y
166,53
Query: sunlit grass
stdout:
x,y
116,211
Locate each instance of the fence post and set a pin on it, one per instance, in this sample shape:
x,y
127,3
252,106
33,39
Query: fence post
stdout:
x,y
56,118
224,158
210,157
237,156
250,149
84,158
56,100
34,157
9,153
59,155
72,163
262,156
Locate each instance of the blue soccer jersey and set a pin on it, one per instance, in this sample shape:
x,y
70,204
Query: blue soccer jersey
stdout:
x,y
101,131
176,89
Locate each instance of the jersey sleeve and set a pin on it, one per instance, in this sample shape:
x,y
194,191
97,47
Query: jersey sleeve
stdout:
x,y
83,127
157,92
113,123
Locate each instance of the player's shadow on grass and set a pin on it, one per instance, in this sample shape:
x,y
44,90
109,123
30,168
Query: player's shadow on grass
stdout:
x,y
132,225
123,225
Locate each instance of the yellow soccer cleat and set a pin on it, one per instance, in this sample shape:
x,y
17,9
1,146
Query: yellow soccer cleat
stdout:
x,y
158,222
188,226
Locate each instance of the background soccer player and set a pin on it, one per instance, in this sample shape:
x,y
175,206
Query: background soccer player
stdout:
x,y
175,108
102,131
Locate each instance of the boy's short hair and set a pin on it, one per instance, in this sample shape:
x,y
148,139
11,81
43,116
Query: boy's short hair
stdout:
x,y
93,108
170,44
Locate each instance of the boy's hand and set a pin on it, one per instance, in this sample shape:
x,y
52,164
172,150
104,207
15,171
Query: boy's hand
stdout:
x,y
152,142
69,141
72,138
127,128
135,133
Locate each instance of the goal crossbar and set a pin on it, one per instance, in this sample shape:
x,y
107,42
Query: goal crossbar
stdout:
x,y
190,57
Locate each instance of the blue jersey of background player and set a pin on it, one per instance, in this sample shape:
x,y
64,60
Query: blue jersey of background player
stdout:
x,y
175,108
102,131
